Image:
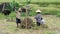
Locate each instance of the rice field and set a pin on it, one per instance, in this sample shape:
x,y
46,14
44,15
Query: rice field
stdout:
x,y
52,21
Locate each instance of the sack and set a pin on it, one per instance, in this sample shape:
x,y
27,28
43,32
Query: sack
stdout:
x,y
43,21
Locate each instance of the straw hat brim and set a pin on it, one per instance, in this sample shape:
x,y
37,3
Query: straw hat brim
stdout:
x,y
38,11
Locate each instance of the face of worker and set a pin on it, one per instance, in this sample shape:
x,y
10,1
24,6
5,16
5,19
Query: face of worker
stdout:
x,y
19,11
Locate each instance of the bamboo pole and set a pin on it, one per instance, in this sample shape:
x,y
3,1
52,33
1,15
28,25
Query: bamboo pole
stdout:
x,y
26,17
3,7
3,10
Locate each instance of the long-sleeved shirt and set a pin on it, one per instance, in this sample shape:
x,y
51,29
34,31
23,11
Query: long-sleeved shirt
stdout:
x,y
38,18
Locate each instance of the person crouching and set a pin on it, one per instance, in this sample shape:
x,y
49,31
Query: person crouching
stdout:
x,y
38,17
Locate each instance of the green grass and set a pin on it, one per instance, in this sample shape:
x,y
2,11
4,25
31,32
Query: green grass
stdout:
x,y
31,0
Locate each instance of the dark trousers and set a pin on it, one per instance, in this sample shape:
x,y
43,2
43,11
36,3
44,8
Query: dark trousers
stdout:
x,y
18,21
38,24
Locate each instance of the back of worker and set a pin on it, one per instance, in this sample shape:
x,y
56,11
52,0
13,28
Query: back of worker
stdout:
x,y
38,17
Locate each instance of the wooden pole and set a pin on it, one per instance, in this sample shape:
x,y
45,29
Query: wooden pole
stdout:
x,y
26,17
27,11
3,10
3,7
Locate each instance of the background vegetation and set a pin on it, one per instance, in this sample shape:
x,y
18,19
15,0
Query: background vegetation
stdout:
x,y
50,11
48,7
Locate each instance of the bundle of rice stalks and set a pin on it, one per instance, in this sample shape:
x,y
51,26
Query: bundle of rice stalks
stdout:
x,y
27,23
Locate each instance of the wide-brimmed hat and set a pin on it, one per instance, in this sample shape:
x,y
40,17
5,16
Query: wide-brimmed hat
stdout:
x,y
38,10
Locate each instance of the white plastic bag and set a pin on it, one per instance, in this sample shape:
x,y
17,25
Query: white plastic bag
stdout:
x,y
43,21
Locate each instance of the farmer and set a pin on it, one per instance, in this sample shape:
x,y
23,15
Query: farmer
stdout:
x,y
18,20
38,17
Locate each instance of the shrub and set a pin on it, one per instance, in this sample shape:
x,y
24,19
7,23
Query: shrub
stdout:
x,y
14,4
12,15
58,14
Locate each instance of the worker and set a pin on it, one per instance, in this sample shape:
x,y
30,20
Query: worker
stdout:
x,y
40,20
38,17
18,15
